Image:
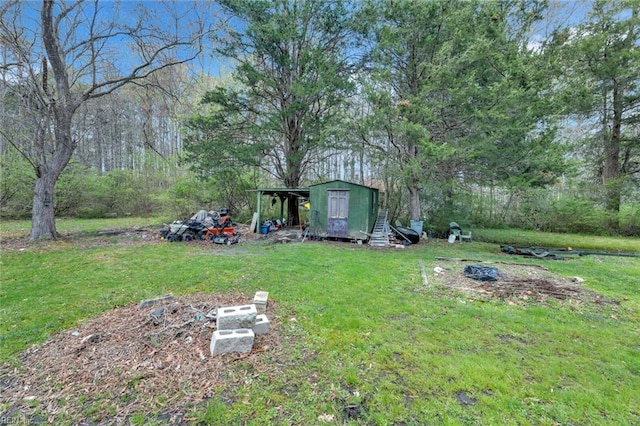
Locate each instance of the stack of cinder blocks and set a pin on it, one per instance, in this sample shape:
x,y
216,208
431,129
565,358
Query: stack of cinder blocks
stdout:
x,y
237,326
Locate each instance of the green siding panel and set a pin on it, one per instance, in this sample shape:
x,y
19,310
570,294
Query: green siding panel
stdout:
x,y
362,209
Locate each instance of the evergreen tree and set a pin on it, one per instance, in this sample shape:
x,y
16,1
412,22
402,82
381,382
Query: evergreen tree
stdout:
x,y
293,76
458,97
602,83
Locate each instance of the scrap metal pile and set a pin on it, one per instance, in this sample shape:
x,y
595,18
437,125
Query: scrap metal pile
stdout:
x,y
213,226
557,254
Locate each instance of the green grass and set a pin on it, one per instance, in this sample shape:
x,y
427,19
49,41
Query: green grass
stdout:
x,y
555,240
21,228
368,334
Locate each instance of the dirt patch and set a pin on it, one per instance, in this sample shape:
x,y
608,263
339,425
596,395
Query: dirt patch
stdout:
x,y
104,238
131,359
516,283
137,236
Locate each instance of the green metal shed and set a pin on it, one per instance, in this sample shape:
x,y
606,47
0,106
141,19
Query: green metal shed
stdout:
x,y
343,209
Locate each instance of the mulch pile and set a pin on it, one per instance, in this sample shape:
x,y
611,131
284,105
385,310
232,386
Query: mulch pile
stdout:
x,y
156,357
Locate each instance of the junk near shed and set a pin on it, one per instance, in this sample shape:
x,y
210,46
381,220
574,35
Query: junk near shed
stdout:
x,y
481,273
213,226
407,234
557,254
269,225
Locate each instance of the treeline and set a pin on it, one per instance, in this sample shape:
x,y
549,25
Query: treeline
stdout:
x,y
82,192
507,113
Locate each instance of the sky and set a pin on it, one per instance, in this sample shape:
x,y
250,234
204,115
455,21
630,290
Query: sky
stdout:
x,y
175,16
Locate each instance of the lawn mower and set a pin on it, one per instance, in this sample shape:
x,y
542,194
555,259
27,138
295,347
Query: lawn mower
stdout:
x,y
204,225
227,235
190,229
221,231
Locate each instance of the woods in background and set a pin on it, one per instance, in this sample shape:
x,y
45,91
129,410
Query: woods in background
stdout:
x,y
515,113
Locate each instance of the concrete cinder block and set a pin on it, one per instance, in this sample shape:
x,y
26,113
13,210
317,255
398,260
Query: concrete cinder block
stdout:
x,y
225,341
235,317
260,300
262,324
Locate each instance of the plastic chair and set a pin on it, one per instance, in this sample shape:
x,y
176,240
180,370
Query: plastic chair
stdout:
x,y
455,232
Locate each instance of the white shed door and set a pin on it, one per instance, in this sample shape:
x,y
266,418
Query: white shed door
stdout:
x,y
338,210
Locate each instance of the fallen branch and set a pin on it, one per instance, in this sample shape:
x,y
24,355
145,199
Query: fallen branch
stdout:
x,y
180,325
150,302
456,259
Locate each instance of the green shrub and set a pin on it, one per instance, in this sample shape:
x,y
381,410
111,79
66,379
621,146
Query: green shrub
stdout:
x,y
186,196
72,189
16,186
630,220
574,215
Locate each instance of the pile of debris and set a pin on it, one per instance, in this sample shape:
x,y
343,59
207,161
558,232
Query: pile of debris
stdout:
x,y
237,326
213,226
155,355
515,283
558,254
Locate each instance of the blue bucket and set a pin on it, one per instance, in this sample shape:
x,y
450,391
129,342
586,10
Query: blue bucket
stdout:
x,y
264,229
416,225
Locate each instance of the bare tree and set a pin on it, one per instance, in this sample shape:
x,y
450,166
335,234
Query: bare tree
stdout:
x,y
91,49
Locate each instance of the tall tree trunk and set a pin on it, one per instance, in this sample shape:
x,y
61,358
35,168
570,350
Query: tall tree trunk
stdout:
x,y
47,174
63,107
293,158
43,223
611,173
414,180
414,202
293,216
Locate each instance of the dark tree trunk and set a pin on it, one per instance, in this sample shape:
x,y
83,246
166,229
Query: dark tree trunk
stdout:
x,y
292,181
414,185
414,203
611,177
43,211
293,216
43,223
63,107
292,178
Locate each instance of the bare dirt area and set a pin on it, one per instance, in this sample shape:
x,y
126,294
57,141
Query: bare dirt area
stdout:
x,y
516,284
155,358
107,237
113,237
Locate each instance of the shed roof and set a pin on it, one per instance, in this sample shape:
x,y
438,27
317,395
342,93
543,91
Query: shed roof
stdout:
x,y
276,192
343,181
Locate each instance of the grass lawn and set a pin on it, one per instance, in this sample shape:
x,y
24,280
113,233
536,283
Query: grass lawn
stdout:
x,y
362,340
